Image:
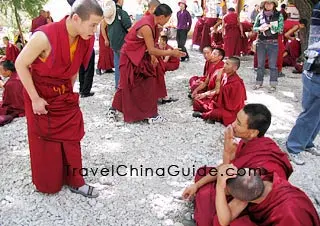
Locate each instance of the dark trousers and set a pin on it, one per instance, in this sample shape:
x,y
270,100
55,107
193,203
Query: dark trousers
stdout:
x,y
86,76
182,35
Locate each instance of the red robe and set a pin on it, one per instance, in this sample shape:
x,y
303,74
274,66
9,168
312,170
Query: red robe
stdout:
x,y
293,48
12,104
197,33
136,97
245,44
232,37
12,52
38,22
230,100
209,69
105,55
257,153
173,62
285,205
205,35
217,40
54,138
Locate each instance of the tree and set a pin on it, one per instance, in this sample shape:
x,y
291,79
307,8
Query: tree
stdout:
x,y
31,7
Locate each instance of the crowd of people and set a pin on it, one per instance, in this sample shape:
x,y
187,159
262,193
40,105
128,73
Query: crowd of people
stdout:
x,y
59,52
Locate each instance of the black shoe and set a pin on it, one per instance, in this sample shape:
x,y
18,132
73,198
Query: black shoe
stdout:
x,y
84,95
296,72
169,100
98,72
281,75
190,96
109,71
197,114
211,121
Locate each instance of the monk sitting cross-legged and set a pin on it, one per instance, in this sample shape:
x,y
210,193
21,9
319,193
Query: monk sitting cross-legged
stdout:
x,y
222,104
274,202
253,151
12,104
54,119
137,95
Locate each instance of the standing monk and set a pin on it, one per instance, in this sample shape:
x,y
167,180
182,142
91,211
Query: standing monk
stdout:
x,y
232,30
136,97
105,62
55,124
12,51
39,21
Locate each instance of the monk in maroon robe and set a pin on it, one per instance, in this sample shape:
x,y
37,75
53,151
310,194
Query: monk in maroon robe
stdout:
x,y
206,34
136,96
54,119
170,63
197,33
230,99
12,104
274,202
245,44
253,151
39,21
105,61
12,51
205,83
232,30
216,35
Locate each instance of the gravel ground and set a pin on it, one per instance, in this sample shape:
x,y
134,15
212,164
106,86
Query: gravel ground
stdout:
x,y
185,143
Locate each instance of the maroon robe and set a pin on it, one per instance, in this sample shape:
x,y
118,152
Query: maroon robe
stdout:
x,y
136,97
54,138
245,45
205,35
38,22
257,153
105,61
232,37
217,40
12,52
285,205
12,104
293,48
230,100
197,33
173,62
209,69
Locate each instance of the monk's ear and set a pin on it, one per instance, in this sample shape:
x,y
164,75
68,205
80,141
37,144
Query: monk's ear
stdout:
x,y
253,133
76,18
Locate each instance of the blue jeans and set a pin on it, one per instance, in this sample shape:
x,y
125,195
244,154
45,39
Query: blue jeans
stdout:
x,y
270,48
116,59
308,123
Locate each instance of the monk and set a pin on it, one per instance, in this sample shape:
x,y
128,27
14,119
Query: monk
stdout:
x,y
254,151
12,104
171,63
275,202
105,62
39,21
216,35
152,5
197,32
195,81
216,63
222,104
232,33
136,96
12,51
54,119
205,35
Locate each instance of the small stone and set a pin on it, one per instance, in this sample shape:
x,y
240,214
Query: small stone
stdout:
x,y
168,222
188,216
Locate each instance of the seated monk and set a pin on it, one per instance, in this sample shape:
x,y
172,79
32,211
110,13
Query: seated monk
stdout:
x,y
12,51
137,94
195,81
230,99
216,63
253,151
216,35
12,104
171,63
275,202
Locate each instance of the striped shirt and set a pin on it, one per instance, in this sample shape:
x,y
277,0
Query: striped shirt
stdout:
x,y
314,35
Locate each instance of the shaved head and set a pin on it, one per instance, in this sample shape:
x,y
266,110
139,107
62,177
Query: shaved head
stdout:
x,y
153,3
85,8
235,61
247,186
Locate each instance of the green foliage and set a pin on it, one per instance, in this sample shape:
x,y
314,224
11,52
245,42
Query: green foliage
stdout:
x,y
31,7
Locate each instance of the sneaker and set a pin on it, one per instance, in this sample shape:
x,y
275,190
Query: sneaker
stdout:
x,y
295,158
272,89
256,87
112,115
313,151
157,119
98,72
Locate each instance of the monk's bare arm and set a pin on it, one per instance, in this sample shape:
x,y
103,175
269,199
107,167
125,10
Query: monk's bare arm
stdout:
x,y
1,84
241,28
38,45
103,25
202,85
289,33
146,33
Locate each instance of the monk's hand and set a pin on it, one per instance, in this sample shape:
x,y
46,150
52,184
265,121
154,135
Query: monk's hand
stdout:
x,y
201,96
177,53
107,43
190,192
225,172
39,106
230,145
154,61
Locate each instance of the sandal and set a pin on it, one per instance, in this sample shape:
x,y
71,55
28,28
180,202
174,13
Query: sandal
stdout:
x,y
169,100
88,194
